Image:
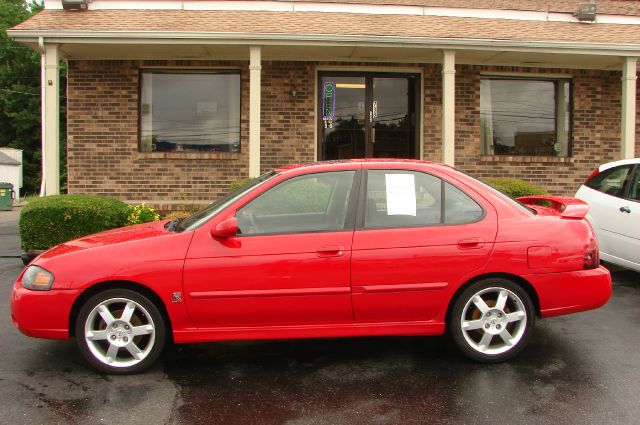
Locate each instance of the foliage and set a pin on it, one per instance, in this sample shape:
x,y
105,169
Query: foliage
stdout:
x,y
176,214
20,96
238,184
515,187
137,214
186,208
48,221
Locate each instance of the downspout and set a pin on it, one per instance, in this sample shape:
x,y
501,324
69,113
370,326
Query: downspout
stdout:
x,y
42,108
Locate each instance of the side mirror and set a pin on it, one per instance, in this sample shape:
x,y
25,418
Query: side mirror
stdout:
x,y
227,228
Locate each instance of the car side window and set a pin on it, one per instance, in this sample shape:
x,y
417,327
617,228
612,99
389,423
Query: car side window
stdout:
x,y
634,186
460,208
611,181
303,204
399,198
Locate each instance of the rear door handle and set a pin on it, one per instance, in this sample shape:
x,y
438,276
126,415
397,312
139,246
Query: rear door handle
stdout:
x,y
330,251
625,209
471,243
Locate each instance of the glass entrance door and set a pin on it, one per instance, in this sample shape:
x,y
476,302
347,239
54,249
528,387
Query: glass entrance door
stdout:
x,y
369,115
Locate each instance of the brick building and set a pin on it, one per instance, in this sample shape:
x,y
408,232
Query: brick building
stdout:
x,y
172,100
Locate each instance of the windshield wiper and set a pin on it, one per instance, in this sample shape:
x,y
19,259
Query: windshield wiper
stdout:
x,y
171,226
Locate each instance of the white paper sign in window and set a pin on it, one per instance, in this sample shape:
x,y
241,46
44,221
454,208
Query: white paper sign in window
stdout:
x,y
401,194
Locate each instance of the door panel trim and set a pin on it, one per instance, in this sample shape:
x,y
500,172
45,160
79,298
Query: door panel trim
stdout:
x,y
430,286
288,292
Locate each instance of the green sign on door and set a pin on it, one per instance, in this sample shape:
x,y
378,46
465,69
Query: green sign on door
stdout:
x,y
328,99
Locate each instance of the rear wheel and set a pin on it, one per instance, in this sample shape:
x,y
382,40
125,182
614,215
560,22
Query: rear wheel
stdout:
x,y
492,320
120,331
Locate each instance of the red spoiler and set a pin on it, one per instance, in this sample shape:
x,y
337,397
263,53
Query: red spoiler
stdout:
x,y
565,207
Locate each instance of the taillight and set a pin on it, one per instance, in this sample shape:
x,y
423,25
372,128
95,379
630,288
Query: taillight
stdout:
x,y
593,174
591,255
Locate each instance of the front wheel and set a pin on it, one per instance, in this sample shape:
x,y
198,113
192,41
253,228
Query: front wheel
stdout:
x,y
120,331
492,320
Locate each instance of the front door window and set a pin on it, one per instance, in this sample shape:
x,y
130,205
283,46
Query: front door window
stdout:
x,y
304,204
369,115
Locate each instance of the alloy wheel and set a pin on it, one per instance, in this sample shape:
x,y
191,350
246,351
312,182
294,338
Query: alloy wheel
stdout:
x,y
119,332
493,320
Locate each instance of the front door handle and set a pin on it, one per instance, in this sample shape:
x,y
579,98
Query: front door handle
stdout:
x,y
330,251
625,209
471,243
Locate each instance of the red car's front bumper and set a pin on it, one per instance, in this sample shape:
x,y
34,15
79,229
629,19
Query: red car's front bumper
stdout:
x,y
571,292
43,314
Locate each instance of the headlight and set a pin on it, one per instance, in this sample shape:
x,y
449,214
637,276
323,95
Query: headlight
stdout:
x,y
37,279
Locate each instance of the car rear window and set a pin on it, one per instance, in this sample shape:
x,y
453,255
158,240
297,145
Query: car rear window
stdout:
x,y
503,195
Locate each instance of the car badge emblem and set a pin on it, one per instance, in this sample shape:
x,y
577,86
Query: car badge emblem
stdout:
x,y
176,297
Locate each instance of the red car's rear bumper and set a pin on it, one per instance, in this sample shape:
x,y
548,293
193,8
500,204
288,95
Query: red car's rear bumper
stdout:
x,y
43,314
570,292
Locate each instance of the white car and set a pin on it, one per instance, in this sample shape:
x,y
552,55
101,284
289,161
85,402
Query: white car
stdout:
x,y
613,194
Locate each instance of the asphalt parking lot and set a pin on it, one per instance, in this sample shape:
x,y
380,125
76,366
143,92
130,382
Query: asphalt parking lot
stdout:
x,y
583,368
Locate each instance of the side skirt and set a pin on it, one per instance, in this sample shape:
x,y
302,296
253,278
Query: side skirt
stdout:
x,y
308,331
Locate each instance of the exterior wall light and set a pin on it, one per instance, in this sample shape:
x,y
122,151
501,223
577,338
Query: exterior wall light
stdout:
x,y
586,12
74,4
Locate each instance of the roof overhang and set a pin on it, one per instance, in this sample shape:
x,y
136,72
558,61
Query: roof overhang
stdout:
x,y
115,37
325,47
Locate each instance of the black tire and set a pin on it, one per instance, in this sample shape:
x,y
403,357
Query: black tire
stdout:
x,y
496,325
142,330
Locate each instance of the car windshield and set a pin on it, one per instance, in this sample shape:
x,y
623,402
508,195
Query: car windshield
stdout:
x,y
202,216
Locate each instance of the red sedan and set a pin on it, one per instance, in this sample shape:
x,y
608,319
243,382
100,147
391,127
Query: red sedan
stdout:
x,y
353,248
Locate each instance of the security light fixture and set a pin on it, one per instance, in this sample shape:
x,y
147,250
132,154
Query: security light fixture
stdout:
x,y
586,12
74,4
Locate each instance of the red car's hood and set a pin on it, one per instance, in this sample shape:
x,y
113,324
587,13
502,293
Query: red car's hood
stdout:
x,y
109,237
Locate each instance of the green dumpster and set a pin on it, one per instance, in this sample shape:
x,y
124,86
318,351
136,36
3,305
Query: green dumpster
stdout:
x,y
6,196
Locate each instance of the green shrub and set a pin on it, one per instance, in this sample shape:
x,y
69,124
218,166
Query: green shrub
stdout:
x,y
176,214
137,214
48,221
515,187
186,207
238,184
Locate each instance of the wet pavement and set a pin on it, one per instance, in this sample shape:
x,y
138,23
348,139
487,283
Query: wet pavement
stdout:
x,y
9,241
582,368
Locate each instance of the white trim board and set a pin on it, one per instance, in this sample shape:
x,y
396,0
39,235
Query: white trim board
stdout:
x,y
359,8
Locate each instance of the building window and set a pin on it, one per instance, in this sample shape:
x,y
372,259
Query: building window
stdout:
x,y
189,111
525,116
